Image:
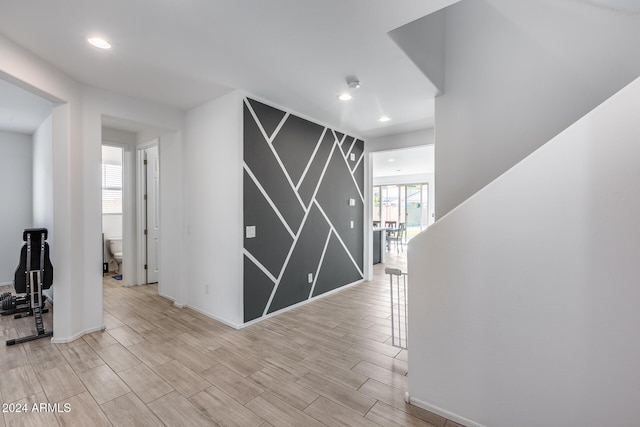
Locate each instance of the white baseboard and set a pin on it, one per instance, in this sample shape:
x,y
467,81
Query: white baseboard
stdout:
x,y
244,325
443,412
301,303
214,317
57,340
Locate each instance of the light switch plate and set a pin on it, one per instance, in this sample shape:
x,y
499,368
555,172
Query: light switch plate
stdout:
x,y
310,277
352,157
352,202
250,231
351,224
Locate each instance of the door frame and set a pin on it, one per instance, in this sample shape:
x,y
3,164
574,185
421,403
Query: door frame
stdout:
x,y
141,238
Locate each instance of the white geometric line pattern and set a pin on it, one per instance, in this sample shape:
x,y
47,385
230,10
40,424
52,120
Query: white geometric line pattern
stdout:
x,y
268,199
291,285
355,264
313,156
273,150
259,265
324,251
353,178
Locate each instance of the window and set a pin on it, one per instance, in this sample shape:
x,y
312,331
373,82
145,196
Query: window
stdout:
x,y
112,179
111,189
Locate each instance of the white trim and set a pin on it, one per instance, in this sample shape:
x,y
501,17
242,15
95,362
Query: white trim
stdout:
x,y
141,276
266,196
324,251
255,119
351,147
313,156
339,238
324,170
358,162
76,336
286,261
442,412
301,303
277,129
147,144
353,178
259,265
206,313
214,317
363,181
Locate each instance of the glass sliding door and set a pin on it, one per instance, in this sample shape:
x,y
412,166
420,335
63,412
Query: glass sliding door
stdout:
x,y
413,203
404,203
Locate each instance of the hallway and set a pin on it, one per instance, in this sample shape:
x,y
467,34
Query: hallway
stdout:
x,y
325,363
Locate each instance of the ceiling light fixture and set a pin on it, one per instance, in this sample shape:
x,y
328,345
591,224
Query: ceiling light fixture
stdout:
x,y
100,43
384,119
344,97
391,160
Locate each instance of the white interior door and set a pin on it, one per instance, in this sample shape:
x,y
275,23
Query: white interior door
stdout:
x,y
152,212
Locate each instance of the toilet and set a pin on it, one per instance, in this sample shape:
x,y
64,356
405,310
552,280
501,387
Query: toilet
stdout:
x,y
115,247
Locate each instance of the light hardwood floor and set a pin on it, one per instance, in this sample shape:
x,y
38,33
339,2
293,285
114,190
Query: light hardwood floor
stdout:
x,y
326,363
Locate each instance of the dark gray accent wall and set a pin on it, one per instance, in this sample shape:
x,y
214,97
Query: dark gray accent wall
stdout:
x,y
257,290
261,161
298,182
272,243
336,268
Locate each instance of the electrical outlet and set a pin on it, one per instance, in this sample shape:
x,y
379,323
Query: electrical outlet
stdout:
x,y
352,202
250,231
310,278
352,156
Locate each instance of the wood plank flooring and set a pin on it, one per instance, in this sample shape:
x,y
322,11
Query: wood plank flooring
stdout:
x,y
328,363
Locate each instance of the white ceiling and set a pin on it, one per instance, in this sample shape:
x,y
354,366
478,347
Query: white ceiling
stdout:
x,y
20,110
296,54
406,161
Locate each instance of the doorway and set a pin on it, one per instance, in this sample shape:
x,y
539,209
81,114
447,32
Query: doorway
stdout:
x,y
112,209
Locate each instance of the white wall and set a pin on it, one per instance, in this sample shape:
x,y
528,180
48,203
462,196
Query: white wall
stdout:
x,y
16,195
42,176
517,72
400,140
520,314
30,72
213,208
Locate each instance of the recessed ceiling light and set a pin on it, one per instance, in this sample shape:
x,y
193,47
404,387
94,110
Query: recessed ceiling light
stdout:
x,y
344,97
391,160
384,119
100,43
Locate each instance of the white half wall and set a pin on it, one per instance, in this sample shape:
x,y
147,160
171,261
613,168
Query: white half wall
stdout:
x,y
524,299
213,209
16,190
